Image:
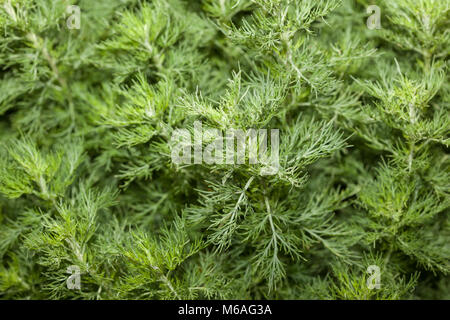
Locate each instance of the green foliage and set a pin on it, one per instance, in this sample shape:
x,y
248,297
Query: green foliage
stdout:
x,y
87,179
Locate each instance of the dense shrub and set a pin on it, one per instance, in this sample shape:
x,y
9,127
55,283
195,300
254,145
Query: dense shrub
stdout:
x,y
87,179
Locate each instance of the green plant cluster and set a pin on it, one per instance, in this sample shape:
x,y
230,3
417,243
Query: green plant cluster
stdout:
x,y
87,180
